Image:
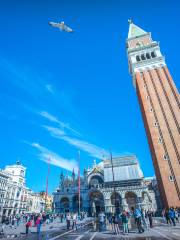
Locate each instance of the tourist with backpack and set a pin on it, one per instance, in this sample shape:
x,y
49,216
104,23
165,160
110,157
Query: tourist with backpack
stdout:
x,y
137,217
172,215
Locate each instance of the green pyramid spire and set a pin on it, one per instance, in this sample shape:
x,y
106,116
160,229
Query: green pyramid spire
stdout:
x,y
135,31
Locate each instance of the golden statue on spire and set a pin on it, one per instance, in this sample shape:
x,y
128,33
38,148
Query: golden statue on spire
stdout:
x,y
130,21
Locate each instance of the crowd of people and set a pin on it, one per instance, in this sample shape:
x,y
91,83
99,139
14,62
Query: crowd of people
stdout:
x,y
141,219
27,219
43,218
37,220
117,222
171,215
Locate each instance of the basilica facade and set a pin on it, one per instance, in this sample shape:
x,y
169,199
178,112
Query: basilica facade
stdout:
x,y
113,184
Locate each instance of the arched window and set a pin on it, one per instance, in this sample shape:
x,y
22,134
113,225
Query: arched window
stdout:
x,y
171,178
22,173
138,59
148,56
17,194
153,55
95,181
64,203
138,44
143,57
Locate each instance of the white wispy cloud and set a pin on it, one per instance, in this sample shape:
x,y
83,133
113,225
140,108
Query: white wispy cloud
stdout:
x,y
48,156
63,125
55,132
85,146
49,88
49,117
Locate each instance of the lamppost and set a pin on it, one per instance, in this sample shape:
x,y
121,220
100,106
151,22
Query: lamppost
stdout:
x,y
113,181
79,185
47,182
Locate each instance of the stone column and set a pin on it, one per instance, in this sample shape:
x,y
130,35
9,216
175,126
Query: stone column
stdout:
x,y
70,204
107,202
124,204
139,200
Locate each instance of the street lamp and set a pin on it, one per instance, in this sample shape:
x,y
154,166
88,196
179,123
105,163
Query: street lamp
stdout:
x,y
113,181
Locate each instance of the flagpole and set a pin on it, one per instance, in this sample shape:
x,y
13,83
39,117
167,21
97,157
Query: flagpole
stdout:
x,y
113,180
47,181
79,183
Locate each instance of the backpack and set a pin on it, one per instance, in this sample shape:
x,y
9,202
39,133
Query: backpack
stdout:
x,y
137,213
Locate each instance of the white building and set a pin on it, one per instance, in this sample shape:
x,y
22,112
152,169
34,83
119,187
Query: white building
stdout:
x,y
16,191
3,185
16,197
36,203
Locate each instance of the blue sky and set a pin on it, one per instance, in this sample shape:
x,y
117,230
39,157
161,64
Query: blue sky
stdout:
x,y
62,92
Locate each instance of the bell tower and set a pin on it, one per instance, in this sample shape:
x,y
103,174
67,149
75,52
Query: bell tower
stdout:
x,y
160,107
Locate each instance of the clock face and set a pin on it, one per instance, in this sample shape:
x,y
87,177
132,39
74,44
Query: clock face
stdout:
x,y
22,173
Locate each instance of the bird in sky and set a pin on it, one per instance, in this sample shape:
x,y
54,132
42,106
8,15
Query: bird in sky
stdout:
x,y
62,26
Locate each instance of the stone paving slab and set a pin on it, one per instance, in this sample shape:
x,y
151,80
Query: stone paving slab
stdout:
x,y
46,229
161,231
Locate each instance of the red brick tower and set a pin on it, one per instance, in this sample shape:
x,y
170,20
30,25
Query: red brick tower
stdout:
x,y
160,106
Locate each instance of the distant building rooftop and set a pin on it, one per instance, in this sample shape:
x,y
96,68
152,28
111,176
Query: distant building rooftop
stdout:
x,y
121,161
124,167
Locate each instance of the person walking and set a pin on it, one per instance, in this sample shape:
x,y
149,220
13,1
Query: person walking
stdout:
x,y
137,217
167,216
124,217
28,225
143,218
38,225
101,218
47,219
61,217
150,217
164,214
176,215
13,221
74,225
110,220
18,219
115,219
68,219
172,215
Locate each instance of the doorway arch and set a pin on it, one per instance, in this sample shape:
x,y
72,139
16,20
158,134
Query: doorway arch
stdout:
x,y
116,202
75,202
131,199
96,200
64,204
